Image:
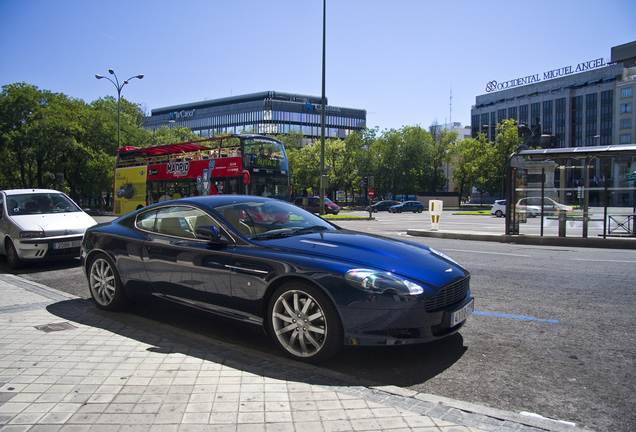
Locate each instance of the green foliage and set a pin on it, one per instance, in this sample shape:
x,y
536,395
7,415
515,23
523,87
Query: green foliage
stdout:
x,y
48,140
482,164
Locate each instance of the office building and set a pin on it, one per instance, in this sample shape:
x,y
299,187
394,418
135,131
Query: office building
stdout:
x,y
262,113
587,104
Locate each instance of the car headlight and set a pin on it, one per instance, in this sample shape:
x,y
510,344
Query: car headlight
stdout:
x,y
378,282
31,234
443,255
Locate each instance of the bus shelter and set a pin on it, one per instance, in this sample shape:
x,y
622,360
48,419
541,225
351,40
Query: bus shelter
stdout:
x,y
573,192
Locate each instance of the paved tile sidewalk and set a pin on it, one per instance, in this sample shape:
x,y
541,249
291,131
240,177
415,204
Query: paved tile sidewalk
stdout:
x,y
66,366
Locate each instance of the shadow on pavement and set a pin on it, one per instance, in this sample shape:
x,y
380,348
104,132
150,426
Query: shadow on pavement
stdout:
x,y
168,328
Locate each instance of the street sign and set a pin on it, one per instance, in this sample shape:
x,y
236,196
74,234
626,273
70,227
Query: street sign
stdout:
x,y
630,177
371,193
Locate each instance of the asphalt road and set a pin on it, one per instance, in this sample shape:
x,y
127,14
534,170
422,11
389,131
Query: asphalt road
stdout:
x,y
553,333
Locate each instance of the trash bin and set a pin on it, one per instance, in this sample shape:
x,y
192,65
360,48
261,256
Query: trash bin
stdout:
x,y
435,209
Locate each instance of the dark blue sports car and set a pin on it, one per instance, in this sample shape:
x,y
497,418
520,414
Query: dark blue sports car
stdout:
x,y
311,285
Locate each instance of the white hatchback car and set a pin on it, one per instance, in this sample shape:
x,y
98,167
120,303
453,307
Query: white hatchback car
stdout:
x,y
40,224
499,209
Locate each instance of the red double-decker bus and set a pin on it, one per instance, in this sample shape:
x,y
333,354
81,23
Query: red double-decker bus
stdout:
x,y
235,164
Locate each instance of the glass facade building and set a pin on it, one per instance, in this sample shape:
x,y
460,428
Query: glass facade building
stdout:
x,y
589,104
266,113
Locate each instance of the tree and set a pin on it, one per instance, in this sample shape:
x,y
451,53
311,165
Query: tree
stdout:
x,y
471,158
505,145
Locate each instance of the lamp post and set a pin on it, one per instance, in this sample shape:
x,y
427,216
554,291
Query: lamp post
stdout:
x,y
118,86
322,114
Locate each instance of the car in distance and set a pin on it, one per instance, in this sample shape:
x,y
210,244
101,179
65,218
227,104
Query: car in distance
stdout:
x,y
312,204
311,285
40,224
382,205
549,205
406,206
499,209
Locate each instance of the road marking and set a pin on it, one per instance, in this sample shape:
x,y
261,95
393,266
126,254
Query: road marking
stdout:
x,y
487,253
519,317
598,260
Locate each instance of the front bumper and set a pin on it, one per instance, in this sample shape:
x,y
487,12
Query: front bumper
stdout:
x,y
403,326
48,248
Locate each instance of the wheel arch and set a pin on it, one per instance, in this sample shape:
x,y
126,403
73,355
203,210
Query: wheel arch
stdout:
x,y
277,283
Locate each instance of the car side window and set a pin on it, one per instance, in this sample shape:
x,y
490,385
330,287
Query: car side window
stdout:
x,y
182,221
147,221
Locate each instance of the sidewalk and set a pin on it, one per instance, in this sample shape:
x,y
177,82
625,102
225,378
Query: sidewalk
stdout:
x,y
67,366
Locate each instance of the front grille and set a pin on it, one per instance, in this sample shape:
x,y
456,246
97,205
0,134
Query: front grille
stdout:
x,y
449,295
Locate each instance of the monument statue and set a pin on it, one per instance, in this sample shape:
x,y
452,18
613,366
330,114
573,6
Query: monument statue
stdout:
x,y
532,137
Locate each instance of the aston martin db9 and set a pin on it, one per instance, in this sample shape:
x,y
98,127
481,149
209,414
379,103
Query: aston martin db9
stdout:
x,y
313,286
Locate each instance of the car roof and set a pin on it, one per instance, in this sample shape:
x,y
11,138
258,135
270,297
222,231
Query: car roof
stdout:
x,y
218,200
28,191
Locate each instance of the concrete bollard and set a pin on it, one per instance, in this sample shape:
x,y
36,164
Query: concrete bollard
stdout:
x,y
435,209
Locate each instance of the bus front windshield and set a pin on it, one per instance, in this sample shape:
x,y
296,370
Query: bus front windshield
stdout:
x,y
265,153
266,160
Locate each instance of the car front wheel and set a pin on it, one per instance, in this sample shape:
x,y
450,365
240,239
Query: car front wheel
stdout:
x,y
304,323
12,257
499,213
105,285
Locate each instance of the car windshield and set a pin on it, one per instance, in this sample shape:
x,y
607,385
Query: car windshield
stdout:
x,y
262,220
40,203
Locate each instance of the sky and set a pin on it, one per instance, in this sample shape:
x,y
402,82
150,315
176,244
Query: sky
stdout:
x,y
407,62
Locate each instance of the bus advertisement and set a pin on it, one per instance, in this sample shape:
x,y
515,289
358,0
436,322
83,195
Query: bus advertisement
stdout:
x,y
236,164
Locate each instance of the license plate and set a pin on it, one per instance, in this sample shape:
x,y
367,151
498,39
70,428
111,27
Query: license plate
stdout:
x,y
67,245
459,316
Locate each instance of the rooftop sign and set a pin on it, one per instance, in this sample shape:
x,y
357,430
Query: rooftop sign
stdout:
x,y
555,73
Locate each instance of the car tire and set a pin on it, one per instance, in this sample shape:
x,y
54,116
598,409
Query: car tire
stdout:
x,y
13,259
499,213
304,323
375,210
105,284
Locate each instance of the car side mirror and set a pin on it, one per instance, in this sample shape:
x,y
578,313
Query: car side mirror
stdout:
x,y
211,234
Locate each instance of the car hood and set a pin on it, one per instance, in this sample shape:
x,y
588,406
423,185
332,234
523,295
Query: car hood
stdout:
x,y
55,224
367,251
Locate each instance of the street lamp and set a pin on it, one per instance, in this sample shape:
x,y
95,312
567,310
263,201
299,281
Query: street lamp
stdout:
x,y
119,87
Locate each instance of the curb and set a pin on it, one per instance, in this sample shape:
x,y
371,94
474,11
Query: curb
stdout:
x,y
612,243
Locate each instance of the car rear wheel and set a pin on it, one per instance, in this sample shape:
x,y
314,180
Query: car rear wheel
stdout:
x,y
499,213
13,259
304,323
105,285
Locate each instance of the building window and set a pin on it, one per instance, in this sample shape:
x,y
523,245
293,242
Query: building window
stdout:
x,y
546,123
626,123
501,114
512,113
626,92
626,139
535,112
626,108
523,115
